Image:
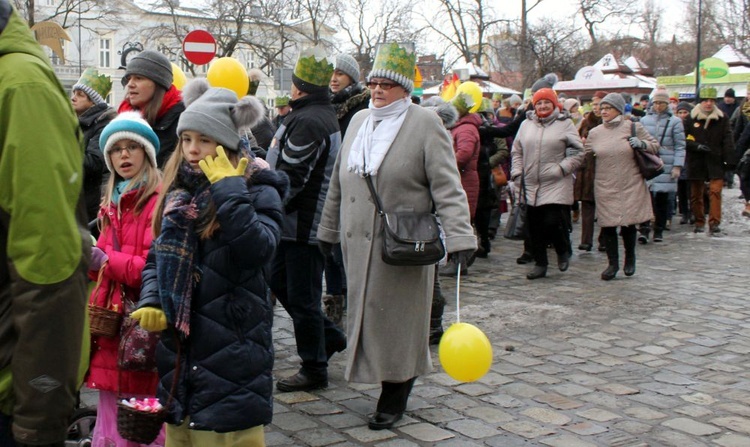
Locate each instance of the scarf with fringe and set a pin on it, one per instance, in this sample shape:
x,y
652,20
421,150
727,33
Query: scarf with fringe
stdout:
x,y
177,247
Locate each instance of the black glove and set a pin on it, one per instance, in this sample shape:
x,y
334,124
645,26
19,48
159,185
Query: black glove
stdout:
x,y
326,248
463,257
485,130
703,148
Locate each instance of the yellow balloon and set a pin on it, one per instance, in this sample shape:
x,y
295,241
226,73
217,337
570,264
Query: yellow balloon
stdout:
x,y
229,73
179,77
472,89
465,352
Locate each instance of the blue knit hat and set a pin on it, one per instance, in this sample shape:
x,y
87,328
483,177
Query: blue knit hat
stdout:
x,y
130,126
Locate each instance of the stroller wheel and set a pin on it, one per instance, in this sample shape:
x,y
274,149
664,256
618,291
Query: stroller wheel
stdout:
x,y
81,428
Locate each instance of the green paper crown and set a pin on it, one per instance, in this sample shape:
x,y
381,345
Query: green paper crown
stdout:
x,y
101,84
314,67
282,101
708,93
463,102
396,62
486,106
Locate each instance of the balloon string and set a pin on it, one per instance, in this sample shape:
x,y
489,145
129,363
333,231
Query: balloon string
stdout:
x,y
458,291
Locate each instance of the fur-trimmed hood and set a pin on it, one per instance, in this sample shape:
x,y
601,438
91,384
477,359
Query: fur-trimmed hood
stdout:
x,y
350,98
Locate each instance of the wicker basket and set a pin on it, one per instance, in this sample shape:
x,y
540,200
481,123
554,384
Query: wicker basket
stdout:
x,y
139,426
103,321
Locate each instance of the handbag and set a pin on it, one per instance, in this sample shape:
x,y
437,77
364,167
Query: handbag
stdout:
x,y
516,228
498,176
409,238
137,350
650,165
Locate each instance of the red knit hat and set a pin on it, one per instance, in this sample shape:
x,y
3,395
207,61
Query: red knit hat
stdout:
x,y
600,94
545,93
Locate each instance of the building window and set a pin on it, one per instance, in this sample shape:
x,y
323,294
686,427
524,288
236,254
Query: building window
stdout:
x,y
105,53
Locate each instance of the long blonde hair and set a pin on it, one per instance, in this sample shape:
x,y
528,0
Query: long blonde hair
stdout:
x,y
208,223
147,180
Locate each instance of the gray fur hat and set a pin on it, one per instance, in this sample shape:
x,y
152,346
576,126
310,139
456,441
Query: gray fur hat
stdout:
x,y
348,65
445,110
217,114
150,64
548,81
615,100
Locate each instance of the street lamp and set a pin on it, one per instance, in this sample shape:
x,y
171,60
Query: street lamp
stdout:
x,y
698,54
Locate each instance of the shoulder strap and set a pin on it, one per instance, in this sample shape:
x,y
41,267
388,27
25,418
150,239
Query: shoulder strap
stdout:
x,y
666,126
632,129
375,198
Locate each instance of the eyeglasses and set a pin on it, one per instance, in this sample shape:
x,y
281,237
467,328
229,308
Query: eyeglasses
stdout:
x,y
605,108
383,85
130,148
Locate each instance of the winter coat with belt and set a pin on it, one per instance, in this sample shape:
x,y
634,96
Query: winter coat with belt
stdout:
x,y
92,122
388,314
122,273
225,364
547,151
713,130
671,149
621,192
465,135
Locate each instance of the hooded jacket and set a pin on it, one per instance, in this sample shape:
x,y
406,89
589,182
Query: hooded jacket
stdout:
x,y
465,135
671,146
349,101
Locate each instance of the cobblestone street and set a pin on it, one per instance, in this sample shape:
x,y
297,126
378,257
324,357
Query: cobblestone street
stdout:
x,y
657,359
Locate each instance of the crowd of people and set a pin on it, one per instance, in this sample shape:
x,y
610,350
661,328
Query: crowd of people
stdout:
x,y
202,211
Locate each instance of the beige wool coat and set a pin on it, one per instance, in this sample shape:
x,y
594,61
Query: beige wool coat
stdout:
x,y
548,151
389,306
621,193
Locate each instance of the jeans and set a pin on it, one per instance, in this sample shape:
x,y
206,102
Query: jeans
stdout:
x,y
296,280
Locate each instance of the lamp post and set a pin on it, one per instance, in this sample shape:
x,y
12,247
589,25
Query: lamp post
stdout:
x,y
698,54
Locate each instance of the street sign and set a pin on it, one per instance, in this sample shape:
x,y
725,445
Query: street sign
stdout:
x,y
199,47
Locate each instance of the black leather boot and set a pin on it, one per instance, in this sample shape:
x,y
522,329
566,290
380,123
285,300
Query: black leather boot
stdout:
x,y
539,271
628,239
613,256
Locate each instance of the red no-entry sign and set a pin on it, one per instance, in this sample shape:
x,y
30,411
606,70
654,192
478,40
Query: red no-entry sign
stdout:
x,y
199,47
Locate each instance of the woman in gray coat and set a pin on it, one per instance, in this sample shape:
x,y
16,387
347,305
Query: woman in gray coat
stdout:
x,y
409,158
546,152
668,130
622,196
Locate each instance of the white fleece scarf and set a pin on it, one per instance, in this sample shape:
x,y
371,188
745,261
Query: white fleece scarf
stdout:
x,y
375,137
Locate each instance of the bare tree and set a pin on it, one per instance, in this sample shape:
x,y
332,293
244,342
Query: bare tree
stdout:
x,y
556,47
597,12
650,21
367,23
465,26
68,12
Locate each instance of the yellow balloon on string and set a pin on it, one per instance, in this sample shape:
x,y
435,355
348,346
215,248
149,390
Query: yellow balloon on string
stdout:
x,y
473,90
179,77
465,352
229,73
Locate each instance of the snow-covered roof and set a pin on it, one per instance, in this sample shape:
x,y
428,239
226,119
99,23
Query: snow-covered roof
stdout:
x,y
473,70
609,63
486,86
728,54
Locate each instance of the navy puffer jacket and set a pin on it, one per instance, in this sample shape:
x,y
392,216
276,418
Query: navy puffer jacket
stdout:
x,y
225,364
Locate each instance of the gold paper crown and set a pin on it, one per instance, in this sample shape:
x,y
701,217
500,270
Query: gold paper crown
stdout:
x,y
395,62
314,67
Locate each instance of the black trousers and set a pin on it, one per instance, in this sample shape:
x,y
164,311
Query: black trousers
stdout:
x,y
394,396
661,209
549,224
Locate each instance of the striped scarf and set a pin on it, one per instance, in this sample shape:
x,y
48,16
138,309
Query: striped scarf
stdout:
x,y
177,247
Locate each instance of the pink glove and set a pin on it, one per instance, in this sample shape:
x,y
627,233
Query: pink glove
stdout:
x,y
98,258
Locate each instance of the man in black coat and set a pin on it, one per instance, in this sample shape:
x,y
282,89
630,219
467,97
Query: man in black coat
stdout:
x,y
305,148
710,153
89,102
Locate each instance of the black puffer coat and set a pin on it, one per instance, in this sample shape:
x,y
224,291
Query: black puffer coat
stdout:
x,y
225,364
166,129
349,101
712,130
92,122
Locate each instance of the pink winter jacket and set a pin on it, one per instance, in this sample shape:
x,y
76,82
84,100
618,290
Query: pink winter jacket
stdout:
x,y
123,267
